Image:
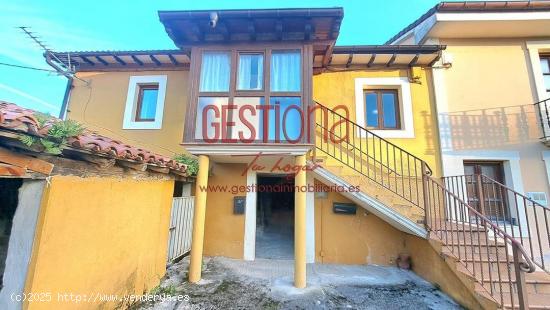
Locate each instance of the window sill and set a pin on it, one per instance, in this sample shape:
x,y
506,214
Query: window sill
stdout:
x,y
142,125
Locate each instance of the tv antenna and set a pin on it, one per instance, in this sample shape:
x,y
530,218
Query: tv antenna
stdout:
x,y
69,71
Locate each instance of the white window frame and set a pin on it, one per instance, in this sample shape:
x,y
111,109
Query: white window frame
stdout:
x,y
129,121
535,48
405,105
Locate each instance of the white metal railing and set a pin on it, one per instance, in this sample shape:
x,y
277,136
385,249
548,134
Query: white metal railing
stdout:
x,y
181,227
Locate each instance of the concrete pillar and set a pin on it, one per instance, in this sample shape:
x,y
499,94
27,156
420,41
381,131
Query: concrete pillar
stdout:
x,y
300,225
195,266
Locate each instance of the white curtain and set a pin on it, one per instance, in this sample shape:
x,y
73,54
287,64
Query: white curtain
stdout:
x,y
251,67
215,70
285,71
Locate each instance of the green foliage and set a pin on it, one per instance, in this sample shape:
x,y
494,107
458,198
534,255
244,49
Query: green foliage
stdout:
x,y
57,135
169,290
42,118
191,162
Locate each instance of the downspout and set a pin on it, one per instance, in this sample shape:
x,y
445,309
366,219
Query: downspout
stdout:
x,y
66,96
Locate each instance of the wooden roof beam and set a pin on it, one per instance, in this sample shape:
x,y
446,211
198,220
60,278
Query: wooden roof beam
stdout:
x,y
119,60
371,61
102,61
335,28
251,30
279,29
350,59
136,60
197,33
414,60
328,55
11,171
308,29
222,27
155,60
25,162
173,59
86,60
391,61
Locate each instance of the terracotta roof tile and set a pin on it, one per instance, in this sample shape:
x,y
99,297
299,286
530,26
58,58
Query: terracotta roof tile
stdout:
x,y
16,118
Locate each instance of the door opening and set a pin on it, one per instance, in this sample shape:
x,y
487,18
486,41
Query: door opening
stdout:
x,y
275,217
495,201
9,199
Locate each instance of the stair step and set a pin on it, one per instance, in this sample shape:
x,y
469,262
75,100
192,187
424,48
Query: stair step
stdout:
x,y
445,225
535,301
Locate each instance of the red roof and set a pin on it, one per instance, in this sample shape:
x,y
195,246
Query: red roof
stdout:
x,y
18,119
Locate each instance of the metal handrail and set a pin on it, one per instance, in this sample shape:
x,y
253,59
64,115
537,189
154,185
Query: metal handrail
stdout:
x,y
370,132
445,211
544,117
449,213
498,200
387,164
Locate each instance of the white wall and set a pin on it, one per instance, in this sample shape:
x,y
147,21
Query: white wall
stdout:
x,y
21,241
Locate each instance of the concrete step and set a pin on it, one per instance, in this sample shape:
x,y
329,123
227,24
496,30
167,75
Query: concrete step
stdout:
x,y
453,250
535,301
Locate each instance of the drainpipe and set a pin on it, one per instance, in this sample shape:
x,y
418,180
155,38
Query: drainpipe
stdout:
x,y
66,96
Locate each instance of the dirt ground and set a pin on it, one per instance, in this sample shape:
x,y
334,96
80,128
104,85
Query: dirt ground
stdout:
x,y
267,284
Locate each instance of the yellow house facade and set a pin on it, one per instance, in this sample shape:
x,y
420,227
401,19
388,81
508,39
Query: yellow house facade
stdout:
x,y
319,153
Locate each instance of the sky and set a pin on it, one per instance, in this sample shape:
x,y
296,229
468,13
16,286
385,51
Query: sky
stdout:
x,y
134,25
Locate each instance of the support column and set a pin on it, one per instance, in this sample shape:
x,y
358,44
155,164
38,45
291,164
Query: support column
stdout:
x,y
300,225
195,266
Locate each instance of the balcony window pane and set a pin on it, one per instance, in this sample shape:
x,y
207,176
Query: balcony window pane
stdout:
x,y
372,109
246,110
215,69
545,64
389,106
209,111
285,71
251,69
291,124
547,82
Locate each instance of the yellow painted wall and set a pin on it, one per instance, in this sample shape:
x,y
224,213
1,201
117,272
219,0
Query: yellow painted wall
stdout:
x,y
224,231
431,266
354,239
100,107
338,88
366,239
489,95
93,237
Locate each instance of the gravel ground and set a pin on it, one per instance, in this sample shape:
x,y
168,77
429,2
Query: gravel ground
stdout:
x,y
267,284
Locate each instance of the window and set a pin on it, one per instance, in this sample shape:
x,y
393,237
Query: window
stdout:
x,y
285,71
244,80
215,72
545,65
382,109
251,72
289,120
208,117
147,103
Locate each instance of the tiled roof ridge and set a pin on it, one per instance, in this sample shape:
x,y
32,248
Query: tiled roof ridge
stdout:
x,y
475,6
19,119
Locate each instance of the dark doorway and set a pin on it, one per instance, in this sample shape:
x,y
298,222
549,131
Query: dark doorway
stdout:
x,y
9,199
495,201
275,217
